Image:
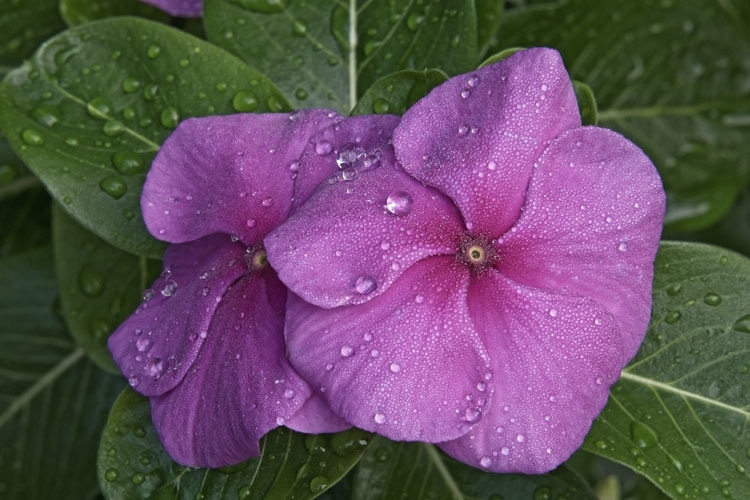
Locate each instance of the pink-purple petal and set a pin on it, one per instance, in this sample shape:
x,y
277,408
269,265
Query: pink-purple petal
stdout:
x,y
241,385
591,225
407,364
227,174
554,357
158,343
316,417
354,237
476,136
179,8
338,152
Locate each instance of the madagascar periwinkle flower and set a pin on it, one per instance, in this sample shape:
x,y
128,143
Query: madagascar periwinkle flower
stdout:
x,y
207,343
179,8
483,288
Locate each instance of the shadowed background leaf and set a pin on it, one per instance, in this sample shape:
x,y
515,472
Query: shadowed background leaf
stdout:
x,y
53,402
671,75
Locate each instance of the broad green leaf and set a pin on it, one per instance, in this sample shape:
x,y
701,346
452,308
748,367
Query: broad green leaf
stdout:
x,y
391,470
680,412
24,24
394,94
100,285
732,232
89,111
671,76
292,466
325,54
489,15
53,402
76,12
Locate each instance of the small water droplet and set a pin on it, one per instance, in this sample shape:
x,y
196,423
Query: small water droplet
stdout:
x,y
155,367
520,438
672,317
323,148
318,484
114,186
170,117
153,51
32,137
623,246
395,367
485,461
379,418
505,451
365,285
642,435
111,475
380,106
347,351
712,299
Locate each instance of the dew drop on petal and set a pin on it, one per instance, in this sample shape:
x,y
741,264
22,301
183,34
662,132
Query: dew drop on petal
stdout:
x,y
505,451
347,351
323,148
623,246
267,202
280,420
520,438
379,418
395,367
365,285
399,203
553,312
289,393
485,461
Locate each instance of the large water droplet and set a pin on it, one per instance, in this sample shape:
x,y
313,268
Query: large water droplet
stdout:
x,y
99,108
113,186
743,325
111,475
46,115
128,163
712,299
131,84
399,203
32,137
348,154
318,484
170,117
245,101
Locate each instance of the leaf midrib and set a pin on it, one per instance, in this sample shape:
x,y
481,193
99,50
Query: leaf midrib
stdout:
x,y
655,384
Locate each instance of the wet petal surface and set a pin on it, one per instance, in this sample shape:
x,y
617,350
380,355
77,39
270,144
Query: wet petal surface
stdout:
x,y
476,137
179,8
407,365
591,225
227,174
354,237
239,387
158,343
553,359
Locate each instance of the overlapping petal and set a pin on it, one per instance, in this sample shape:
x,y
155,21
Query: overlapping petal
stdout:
x,y
591,225
553,359
158,343
179,8
346,246
227,174
239,387
476,136
345,149
407,364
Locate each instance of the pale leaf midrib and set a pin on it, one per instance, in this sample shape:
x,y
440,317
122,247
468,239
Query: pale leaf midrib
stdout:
x,y
655,384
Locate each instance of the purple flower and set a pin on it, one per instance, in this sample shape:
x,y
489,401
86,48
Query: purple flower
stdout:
x,y
207,343
179,8
485,290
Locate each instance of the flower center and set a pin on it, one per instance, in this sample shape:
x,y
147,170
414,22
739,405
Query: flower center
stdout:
x,y
256,259
476,252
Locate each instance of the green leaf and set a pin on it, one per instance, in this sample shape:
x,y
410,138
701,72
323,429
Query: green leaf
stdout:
x,y
418,470
489,15
586,103
395,93
89,111
24,24
100,285
24,206
324,54
53,402
680,412
76,12
669,75
132,463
